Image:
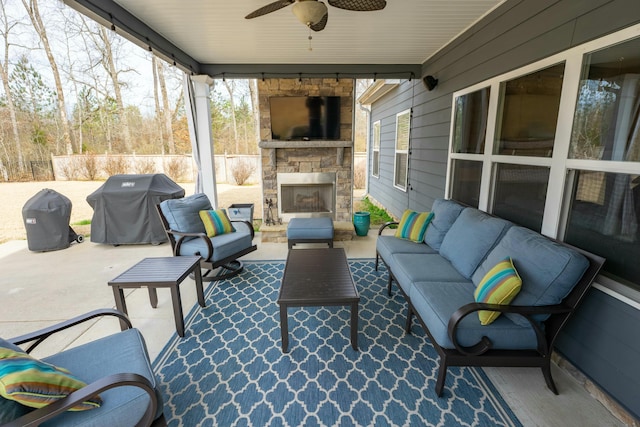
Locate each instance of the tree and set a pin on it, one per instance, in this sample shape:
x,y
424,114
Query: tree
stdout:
x,y
4,75
230,85
34,14
165,112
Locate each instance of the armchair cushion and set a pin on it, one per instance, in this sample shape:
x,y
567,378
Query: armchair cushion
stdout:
x,y
216,222
35,383
121,352
225,245
184,214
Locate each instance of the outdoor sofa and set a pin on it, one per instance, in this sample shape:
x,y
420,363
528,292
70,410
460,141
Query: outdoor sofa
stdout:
x,y
463,247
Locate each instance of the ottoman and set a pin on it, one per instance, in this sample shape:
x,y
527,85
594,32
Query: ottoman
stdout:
x,y
310,230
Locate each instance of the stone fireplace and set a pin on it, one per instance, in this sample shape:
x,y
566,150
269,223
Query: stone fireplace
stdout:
x,y
308,178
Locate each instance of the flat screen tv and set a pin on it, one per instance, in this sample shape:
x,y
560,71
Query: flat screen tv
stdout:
x,y
305,117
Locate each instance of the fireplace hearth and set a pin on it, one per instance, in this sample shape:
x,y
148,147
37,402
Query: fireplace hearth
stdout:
x,y
306,195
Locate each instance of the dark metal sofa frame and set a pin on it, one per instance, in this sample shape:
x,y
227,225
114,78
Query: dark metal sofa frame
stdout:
x,y
228,267
482,354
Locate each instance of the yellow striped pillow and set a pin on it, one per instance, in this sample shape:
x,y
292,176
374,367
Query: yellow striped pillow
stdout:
x,y
34,383
500,285
216,222
413,225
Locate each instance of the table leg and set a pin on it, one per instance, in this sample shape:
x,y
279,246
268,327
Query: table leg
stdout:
x,y
354,326
153,296
200,292
284,328
177,309
118,296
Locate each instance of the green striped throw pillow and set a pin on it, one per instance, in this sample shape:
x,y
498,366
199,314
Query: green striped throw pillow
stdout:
x,y
500,285
216,222
413,225
34,383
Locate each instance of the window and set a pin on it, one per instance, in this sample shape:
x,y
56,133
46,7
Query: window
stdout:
x,y
565,155
375,161
403,128
467,176
529,106
520,194
470,123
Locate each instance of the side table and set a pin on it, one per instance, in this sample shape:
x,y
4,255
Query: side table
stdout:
x,y
162,272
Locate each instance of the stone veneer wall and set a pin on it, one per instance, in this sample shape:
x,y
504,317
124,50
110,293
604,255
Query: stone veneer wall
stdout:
x,y
308,156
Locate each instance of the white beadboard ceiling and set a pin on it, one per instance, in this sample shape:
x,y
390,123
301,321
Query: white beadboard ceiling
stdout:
x,y
215,31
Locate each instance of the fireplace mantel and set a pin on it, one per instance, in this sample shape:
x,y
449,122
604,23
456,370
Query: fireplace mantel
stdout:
x,y
304,144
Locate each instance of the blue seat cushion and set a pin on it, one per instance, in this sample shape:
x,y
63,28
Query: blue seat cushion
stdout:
x,y
184,214
411,268
224,245
548,270
470,238
445,212
388,245
118,353
435,302
310,228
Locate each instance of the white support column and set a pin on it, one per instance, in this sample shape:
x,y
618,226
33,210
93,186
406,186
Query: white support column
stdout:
x,y
202,89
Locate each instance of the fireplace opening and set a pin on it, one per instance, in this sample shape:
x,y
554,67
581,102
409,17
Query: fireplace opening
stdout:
x,y
306,195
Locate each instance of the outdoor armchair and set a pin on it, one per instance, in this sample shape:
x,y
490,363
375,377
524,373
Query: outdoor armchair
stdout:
x,y
115,367
220,245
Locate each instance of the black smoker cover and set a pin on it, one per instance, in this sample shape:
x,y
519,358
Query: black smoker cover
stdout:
x,y
124,209
46,218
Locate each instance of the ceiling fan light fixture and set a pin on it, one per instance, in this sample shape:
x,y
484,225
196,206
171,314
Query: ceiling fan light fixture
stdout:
x,y
309,12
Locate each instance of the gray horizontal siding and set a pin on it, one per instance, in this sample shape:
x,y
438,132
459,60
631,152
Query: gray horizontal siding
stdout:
x,y
602,340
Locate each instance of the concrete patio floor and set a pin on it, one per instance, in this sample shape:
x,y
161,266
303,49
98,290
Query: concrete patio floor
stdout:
x,y
39,289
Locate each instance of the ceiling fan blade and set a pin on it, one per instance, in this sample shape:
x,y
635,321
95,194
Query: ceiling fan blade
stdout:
x,y
359,5
271,7
319,26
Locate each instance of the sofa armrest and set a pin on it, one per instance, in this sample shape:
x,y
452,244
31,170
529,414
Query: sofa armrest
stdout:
x,y
485,344
385,225
248,224
42,334
50,411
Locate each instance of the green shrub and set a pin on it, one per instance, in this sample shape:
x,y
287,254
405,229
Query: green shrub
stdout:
x,y
377,216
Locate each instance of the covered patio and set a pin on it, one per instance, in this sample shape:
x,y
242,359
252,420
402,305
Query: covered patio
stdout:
x,y
79,285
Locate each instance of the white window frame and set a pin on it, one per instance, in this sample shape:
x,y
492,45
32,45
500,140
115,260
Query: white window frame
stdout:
x,y
400,116
560,165
375,150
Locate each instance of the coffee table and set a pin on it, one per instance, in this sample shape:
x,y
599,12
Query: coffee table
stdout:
x,y
317,277
161,272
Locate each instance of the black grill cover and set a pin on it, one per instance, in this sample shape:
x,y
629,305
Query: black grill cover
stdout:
x,y
124,208
46,218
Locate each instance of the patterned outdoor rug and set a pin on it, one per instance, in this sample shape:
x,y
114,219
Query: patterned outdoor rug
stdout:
x,y
229,369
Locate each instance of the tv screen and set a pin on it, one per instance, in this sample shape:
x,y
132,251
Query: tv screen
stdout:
x,y
305,117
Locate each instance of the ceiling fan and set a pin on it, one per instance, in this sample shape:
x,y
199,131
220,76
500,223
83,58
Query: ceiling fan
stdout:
x,y
314,14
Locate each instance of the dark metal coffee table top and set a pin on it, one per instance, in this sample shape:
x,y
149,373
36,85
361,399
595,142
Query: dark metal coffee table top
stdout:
x,y
317,277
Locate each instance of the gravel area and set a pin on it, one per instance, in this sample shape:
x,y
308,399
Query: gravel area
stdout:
x,y
14,195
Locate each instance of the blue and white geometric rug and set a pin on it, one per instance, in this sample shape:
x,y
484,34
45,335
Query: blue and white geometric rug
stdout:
x,y
229,369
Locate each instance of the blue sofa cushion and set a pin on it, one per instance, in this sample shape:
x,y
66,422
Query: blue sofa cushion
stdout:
x,y
184,214
122,352
445,212
411,268
435,302
470,238
548,270
388,245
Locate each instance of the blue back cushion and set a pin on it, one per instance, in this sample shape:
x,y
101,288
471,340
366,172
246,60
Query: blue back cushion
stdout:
x,y
548,270
445,212
184,214
470,238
